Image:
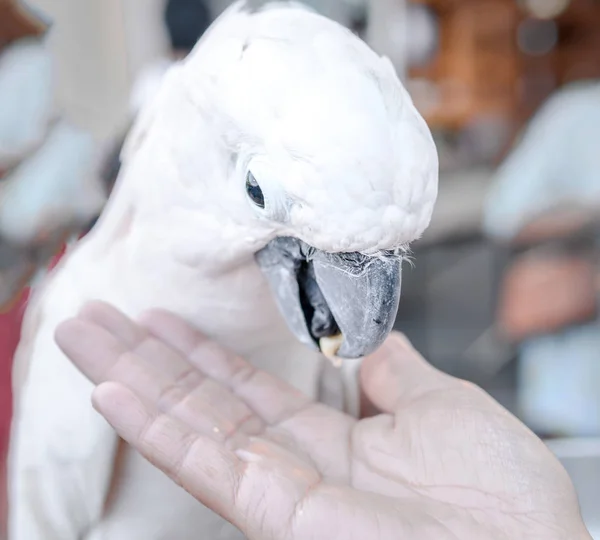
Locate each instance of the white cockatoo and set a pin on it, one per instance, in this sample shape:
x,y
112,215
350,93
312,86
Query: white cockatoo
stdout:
x,y
267,195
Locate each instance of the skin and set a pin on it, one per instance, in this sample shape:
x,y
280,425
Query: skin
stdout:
x,y
443,460
560,222
546,291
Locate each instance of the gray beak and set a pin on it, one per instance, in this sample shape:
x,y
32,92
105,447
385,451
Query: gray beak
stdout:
x,y
323,294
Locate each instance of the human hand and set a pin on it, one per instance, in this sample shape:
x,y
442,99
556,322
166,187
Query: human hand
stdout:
x,y
443,461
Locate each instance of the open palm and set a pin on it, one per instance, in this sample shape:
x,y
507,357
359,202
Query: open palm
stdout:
x,y
443,461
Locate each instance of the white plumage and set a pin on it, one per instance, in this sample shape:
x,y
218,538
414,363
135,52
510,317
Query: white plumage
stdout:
x,y
345,163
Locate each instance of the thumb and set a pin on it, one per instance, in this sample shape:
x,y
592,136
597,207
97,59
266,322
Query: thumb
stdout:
x,y
397,373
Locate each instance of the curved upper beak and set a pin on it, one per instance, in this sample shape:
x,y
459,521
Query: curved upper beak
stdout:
x,y
323,294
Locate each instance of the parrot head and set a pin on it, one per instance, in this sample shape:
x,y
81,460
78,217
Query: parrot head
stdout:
x,y
315,152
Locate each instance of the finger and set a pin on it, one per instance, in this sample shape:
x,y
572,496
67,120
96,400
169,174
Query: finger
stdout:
x,y
100,339
262,476
204,404
93,350
115,322
210,407
319,431
181,391
212,359
212,410
397,373
272,399
135,338
203,467
101,356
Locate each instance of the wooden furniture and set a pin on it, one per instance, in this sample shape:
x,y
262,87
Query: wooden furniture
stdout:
x,y
17,22
576,56
477,66
481,69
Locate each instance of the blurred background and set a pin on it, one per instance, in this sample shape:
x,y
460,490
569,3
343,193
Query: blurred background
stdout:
x,y
505,286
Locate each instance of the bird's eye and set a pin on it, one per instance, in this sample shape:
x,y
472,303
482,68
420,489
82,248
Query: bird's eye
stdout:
x,y
254,191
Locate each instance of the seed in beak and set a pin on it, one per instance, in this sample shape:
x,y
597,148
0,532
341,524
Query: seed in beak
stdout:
x,y
330,346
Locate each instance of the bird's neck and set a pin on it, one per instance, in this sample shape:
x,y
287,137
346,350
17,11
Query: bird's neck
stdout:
x,y
234,307
141,264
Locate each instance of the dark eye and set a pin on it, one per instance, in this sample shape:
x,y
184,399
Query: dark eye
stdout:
x,y
254,191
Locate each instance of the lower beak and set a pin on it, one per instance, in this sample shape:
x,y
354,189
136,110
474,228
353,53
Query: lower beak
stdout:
x,y
323,294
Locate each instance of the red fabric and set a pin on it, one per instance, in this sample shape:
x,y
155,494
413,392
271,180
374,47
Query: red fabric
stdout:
x,y
10,333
